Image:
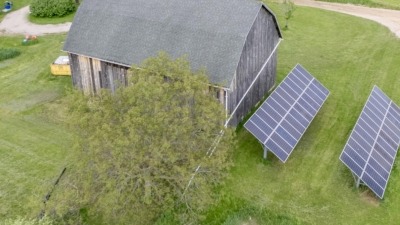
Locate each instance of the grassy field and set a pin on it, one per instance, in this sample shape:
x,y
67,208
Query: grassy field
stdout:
x,y
348,55
389,4
32,142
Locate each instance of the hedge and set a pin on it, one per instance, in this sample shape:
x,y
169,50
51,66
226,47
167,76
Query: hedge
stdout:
x,y
52,8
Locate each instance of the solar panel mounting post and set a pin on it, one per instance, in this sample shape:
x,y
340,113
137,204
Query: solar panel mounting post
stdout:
x,y
357,180
265,151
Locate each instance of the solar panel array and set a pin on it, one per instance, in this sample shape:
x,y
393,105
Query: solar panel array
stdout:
x,y
284,116
372,146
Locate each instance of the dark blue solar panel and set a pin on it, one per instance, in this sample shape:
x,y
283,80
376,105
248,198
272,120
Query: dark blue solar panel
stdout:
x,y
277,107
314,105
384,154
351,163
368,120
297,82
381,142
297,117
324,92
292,92
390,133
304,114
270,116
382,98
384,166
286,106
355,156
295,123
256,131
284,94
358,148
290,82
307,106
371,183
262,125
391,122
385,136
367,128
377,120
375,102
286,136
288,111
273,147
375,110
282,143
375,175
373,144
291,129
301,71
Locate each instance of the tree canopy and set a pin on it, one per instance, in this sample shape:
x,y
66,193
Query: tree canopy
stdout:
x,y
137,149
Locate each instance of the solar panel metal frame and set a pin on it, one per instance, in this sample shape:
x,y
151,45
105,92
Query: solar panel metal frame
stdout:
x,y
391,106
311,85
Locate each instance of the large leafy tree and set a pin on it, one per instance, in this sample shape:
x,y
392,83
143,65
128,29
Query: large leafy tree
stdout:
x,y
137,149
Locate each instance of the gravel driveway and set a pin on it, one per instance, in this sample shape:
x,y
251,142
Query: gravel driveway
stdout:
x,y
16,22
386,17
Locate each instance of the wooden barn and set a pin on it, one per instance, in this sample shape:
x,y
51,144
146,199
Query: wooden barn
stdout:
x,y
234,40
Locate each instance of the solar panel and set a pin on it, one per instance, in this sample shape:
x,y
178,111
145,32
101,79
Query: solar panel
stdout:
x,y
372,146
284,116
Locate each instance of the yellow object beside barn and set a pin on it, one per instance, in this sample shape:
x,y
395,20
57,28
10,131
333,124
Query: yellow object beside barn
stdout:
x,y
61,66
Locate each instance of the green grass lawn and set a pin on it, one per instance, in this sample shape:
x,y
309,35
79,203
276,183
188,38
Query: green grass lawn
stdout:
x,y
389,4
348,55
32,142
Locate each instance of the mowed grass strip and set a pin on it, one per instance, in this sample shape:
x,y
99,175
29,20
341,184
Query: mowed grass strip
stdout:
x,y
348,55
32,143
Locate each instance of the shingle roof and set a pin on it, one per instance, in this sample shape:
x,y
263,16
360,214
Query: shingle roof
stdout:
x,y
210,32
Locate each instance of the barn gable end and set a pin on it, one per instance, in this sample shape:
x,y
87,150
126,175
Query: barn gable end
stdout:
x,y
256,70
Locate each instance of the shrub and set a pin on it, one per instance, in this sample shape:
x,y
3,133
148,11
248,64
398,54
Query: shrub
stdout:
x,y
8,53
52,8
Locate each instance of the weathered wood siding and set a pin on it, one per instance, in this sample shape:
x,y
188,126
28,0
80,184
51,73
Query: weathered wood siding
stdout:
x,y
260,43
91,75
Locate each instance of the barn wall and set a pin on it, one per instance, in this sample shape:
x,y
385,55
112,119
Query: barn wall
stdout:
x,y
75,71
219,93
260,43
91,75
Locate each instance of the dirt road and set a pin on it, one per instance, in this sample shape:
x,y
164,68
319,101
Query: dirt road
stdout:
x,y
386,17
17,22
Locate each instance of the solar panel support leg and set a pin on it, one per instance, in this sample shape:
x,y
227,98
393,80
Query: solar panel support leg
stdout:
x,y
357,180
358,183
265,152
